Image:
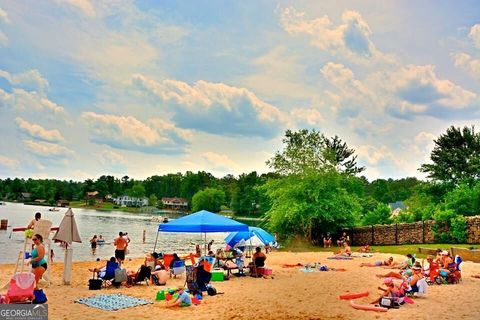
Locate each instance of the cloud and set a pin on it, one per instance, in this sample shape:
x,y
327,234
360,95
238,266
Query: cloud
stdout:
x,y
30,79
4,16
30,101
215,107
38,132
373,155
220,162
126,132
84,5
113,161
419,90
475,35
309,116
47,150
351,38
3,38
8,162
468,63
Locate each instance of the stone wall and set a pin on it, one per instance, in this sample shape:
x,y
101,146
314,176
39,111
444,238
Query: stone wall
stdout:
x,y
473,229
407,233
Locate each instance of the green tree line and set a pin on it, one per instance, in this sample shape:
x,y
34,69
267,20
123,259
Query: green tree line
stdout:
x,y
314,178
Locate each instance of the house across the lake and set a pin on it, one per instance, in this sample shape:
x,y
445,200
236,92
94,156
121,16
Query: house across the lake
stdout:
x,y
175,203
63,203
128,201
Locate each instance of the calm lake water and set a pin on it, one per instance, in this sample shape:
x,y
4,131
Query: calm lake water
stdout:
x,y
108,224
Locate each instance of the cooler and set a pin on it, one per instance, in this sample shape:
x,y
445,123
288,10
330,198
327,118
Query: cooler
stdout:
x,y
217,275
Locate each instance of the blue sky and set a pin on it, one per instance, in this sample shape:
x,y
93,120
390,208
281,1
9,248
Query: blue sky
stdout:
x,y
140,88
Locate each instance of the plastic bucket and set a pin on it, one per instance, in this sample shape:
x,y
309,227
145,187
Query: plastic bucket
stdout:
x,y
3,224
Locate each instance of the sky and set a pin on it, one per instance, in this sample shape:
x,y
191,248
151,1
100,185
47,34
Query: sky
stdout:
x,y
144,88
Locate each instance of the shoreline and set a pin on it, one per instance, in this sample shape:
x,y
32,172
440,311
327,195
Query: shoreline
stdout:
x,y
287,294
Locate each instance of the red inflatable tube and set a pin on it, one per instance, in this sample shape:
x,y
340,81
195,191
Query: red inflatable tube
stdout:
x,y
367,307
349,296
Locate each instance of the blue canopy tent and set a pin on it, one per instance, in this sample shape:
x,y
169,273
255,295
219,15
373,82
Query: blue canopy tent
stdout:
x,y
201,222
233,238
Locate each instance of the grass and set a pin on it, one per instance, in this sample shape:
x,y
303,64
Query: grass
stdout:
x,y
301,245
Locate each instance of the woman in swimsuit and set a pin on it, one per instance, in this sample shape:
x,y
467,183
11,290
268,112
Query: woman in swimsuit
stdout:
x,y
38,261
388,262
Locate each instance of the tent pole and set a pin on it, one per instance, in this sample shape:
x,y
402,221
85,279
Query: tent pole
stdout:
x,y
155,245
205,243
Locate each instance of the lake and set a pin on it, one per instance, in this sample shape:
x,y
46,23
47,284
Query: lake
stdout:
x,y
108,224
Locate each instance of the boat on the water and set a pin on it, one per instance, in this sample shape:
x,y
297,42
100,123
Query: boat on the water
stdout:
x,y
466,254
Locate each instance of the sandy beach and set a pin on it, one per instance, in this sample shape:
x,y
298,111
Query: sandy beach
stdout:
x,y
287,294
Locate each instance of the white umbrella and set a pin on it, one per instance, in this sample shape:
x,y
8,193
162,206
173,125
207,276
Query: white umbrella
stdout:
x,y
68,233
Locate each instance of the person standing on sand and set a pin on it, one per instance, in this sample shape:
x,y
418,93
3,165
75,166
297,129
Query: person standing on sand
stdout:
x,y
121,245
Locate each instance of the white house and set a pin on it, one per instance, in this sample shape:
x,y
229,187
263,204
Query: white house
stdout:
x,y
175,203
128,201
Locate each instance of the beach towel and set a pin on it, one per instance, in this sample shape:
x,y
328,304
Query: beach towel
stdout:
x,y
286,265
362,255
340,258
111,302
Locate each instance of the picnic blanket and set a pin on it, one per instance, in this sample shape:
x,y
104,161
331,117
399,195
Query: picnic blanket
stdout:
x,y
110,302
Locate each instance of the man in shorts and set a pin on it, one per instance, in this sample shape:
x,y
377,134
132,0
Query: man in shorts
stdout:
x,y
120,244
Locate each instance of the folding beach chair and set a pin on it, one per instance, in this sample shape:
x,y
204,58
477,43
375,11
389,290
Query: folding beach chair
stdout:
x,y
178,268
110,273
143,274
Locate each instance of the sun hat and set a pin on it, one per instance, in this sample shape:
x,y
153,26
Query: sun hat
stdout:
x,y
416,268
157,267
388,281
444,253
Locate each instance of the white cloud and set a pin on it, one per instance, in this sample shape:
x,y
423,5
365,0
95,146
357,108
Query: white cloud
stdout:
x,y
3,38
467,63
30,101
85,6
112,161
30,78
8,162
38,132
373,155
47,150
215,107
4,16
127,132
475,35
221,162
351,38
419,88
310,116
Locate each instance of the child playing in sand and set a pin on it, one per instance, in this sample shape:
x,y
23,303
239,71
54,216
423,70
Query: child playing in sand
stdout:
x,y
182,300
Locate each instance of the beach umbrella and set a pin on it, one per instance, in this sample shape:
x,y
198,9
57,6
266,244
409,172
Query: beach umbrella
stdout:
x,y
201,222
68,233
254,233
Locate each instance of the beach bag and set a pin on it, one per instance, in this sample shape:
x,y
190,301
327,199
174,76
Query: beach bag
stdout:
x,y
40,296
94,284
388,302
120,275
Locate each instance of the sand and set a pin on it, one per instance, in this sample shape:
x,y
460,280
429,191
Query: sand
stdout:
x,y
288,294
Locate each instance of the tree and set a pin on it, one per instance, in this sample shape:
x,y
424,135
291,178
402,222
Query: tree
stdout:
x,y
300,201
380,215
309,150
153,200
339,156
137,191
208,199
455,157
